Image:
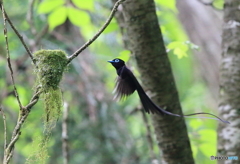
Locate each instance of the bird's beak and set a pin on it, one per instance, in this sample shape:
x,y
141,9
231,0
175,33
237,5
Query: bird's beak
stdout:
x,y
110,61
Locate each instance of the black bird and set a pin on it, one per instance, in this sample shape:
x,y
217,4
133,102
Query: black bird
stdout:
x,y
127,83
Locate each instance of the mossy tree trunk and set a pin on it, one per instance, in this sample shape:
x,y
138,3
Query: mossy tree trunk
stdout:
x,y
144,40
229,105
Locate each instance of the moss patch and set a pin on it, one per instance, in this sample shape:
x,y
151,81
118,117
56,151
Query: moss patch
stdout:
x,y
50,67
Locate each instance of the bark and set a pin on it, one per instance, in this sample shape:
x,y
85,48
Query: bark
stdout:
x,y
203,27
229,106
144,39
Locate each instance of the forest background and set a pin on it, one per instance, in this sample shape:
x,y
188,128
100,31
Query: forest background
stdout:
x,y
99,129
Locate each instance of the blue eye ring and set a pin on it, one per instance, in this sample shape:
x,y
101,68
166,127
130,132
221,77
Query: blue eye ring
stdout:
x,y
116,60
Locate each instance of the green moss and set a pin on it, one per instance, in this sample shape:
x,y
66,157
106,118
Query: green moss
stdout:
x,y
40,152
50,67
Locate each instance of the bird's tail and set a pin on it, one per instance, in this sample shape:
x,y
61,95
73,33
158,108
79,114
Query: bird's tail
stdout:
x,y
151,107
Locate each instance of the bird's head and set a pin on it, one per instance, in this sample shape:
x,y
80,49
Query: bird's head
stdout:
x,y
117,63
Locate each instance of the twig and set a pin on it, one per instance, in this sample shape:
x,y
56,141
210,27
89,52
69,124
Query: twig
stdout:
x,y
5,127
12,142
209,4
65,134
17,33
75,54
8,57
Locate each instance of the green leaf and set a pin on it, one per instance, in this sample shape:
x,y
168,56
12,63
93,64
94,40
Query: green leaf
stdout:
x,y
83,4
49,5
180,53
78,17
179,48
57,17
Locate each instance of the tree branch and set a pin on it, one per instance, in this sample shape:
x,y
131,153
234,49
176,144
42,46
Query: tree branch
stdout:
x,y
114,10
17,33
5,127
17,130
8,57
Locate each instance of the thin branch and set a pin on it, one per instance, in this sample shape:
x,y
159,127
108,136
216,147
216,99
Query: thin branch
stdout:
x,y
5,127
25,113
8,159
17,33
17,130
114,10
12,142
209,4
8,57
65,146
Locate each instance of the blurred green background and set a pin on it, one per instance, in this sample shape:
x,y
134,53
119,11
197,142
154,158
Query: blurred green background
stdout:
x,y
100,130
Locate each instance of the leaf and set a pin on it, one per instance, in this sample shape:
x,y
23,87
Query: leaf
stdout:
x,y
180,53
83,4
57,17
49,5
78,17
179,48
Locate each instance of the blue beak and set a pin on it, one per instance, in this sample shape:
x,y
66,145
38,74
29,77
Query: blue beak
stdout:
x,y
110,61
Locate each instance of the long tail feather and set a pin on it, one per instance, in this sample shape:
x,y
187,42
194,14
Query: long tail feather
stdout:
x,y
149,106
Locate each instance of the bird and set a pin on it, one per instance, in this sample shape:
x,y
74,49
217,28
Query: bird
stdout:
x,y
127,84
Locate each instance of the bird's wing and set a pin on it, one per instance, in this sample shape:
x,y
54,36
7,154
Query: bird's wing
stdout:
x,y
124,84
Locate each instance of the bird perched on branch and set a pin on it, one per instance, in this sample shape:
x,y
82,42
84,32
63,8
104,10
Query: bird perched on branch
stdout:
x,y
127,83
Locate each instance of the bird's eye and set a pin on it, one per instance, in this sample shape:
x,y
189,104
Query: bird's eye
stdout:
x,y
116,60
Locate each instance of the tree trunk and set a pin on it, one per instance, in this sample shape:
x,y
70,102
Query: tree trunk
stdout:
x,y
229,106
145,41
